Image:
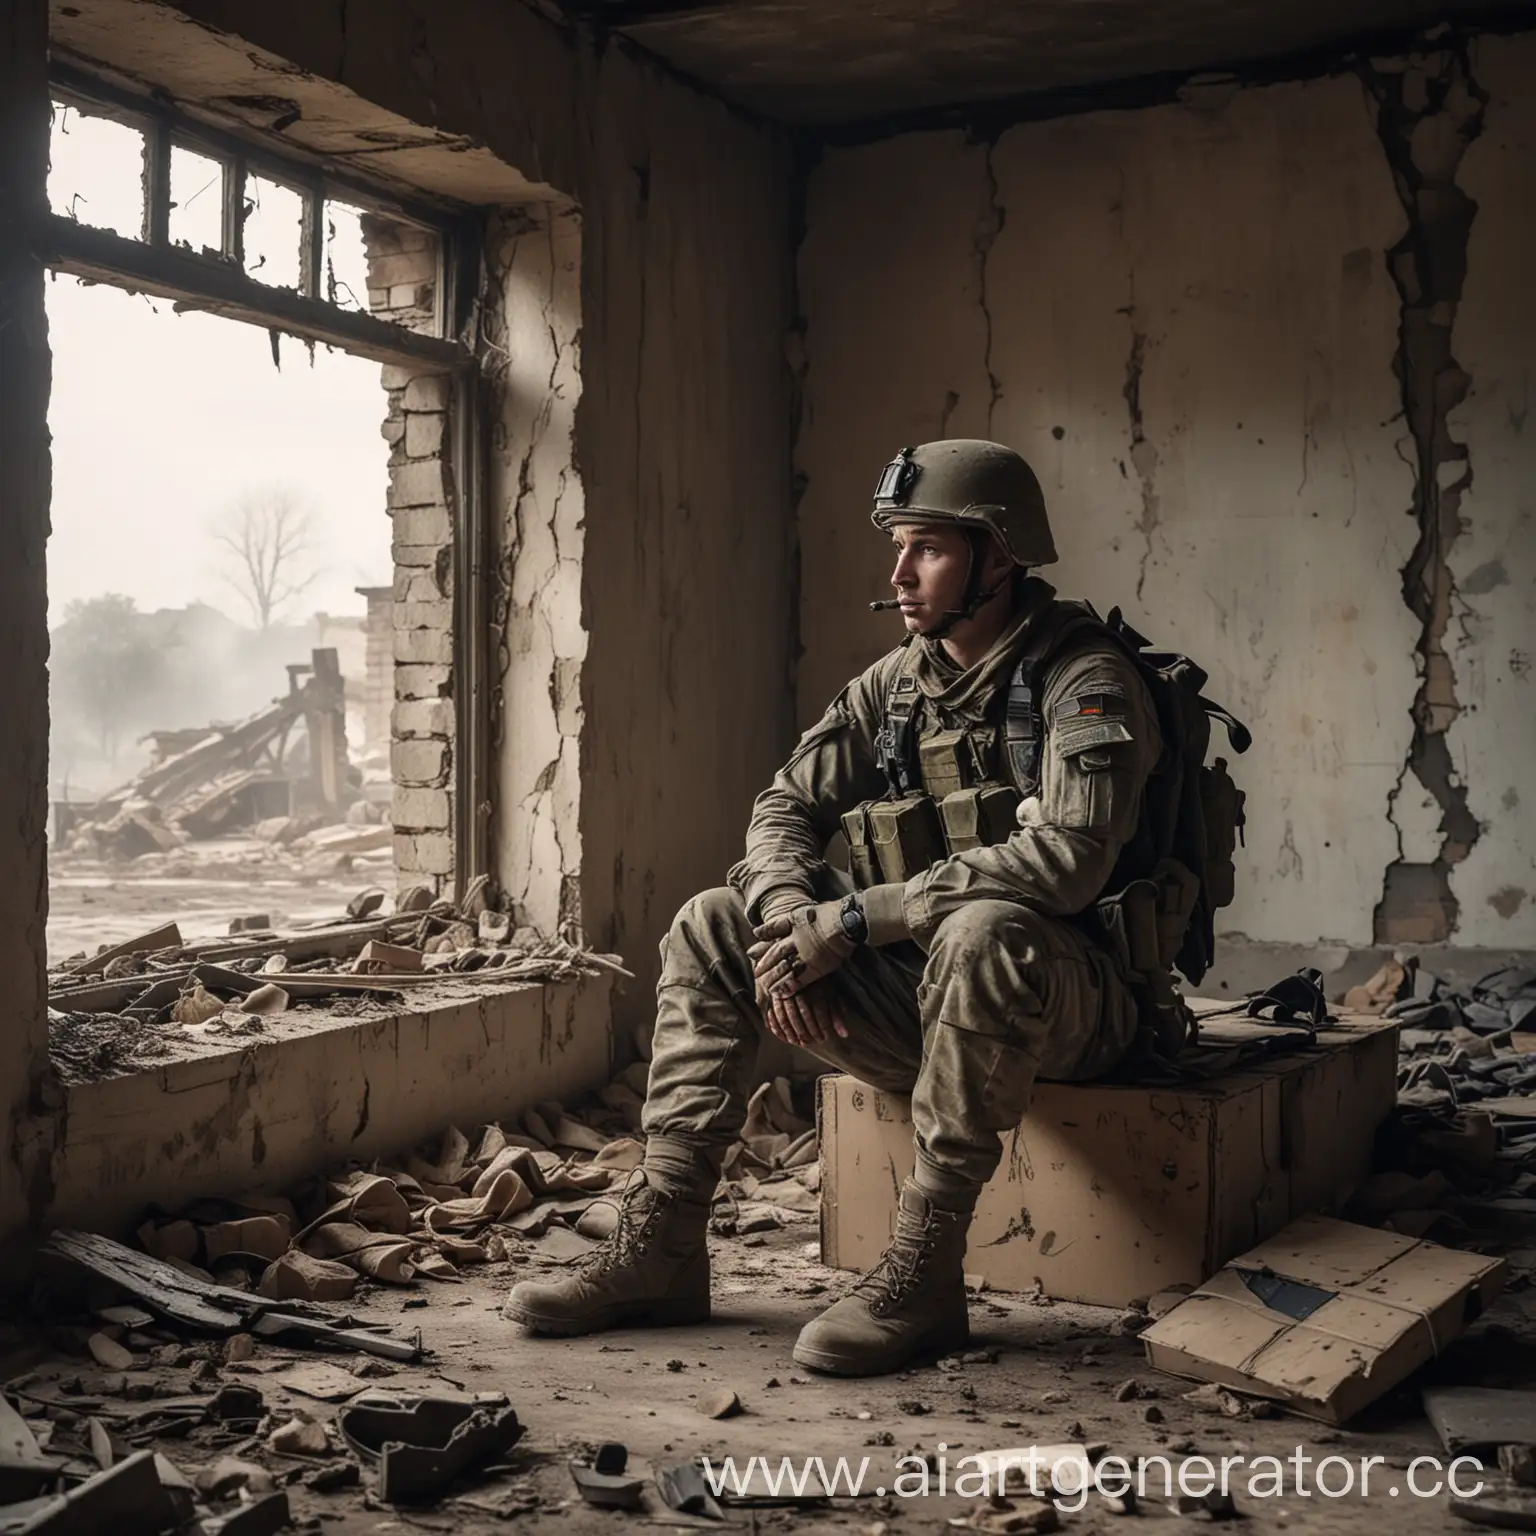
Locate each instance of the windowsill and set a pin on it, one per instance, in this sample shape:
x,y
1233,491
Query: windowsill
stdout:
x,y
261,1111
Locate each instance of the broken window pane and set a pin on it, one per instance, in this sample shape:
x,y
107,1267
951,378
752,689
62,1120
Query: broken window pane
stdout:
x,y
197,201
344,280
403,276
96,171
274,232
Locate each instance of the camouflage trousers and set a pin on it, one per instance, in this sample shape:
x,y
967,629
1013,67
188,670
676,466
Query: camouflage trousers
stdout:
x,y
1003,997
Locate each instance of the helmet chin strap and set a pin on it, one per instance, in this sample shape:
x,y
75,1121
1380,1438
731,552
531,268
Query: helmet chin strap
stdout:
x,y
973,598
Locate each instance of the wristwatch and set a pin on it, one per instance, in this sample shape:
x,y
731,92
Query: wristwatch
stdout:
x,y
851,916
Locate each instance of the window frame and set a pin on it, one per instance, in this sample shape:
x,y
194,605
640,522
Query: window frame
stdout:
x,y
220,285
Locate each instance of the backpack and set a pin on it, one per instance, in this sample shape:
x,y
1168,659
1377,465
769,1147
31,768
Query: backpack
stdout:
x,y
1194,811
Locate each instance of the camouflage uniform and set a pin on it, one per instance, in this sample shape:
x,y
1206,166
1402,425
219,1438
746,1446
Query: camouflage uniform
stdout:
x,y
976,977
994,986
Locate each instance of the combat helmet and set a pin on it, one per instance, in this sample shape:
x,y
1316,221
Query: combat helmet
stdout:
x,y
976,484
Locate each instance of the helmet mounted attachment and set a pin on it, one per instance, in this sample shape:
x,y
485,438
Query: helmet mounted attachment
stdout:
x,y
896,482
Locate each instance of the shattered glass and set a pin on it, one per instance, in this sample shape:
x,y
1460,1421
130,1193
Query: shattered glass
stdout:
x,y
274,232
197,201
344,276
96,171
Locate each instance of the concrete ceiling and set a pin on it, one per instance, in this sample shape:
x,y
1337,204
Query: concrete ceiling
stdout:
x,y
838,62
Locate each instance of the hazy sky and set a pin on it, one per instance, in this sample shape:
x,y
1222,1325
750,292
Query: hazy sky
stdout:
x,y
162,422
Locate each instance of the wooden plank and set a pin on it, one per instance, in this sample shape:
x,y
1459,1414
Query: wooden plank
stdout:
x,y
166,936
160,1286
127,1500
115,996
339,942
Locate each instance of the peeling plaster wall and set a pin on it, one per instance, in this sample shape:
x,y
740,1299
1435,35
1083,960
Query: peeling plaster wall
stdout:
x,y
533,375
1492,638
1183,317
681,440
25,470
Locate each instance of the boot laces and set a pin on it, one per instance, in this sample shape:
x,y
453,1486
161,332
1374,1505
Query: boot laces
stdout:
x,y
628,1239
903,1264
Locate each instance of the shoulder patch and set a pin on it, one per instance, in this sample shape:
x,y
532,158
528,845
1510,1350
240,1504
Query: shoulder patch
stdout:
x,y
1101,704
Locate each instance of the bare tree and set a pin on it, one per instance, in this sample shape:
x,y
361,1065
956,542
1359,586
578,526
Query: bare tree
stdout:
x,y
267,552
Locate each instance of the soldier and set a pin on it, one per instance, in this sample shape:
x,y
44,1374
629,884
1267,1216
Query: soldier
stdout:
x,y
953,966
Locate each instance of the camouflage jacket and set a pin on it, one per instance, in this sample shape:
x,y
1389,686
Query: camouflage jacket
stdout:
x,y
1071,833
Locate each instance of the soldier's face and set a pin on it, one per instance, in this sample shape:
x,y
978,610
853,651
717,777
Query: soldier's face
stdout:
x,y
932,563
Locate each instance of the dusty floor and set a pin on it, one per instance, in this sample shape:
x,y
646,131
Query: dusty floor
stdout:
x,y
1053,1380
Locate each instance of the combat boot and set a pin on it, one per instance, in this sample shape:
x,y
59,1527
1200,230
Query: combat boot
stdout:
x,y
912,1303
653,1269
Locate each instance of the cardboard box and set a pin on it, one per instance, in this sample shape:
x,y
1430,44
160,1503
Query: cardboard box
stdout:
x,y
1325,1317
1108,1192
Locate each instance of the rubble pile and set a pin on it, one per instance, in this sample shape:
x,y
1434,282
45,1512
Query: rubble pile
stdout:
x,y
180,1342
541,1191
1457,1158
133,1002
281,778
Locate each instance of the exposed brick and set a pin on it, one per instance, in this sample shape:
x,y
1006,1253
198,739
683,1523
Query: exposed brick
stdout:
x,y
422,717
423,525
423,434
415,555
425,809
410,296
427,392
406,268
423,645
429,853
419,762
422,682
437,613
415,586
418,485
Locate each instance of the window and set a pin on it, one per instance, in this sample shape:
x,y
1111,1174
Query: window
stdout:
x,y
149,201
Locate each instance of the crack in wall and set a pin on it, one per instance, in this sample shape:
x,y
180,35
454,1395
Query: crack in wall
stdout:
x,y
1429,109
987,230
1143,454
541,876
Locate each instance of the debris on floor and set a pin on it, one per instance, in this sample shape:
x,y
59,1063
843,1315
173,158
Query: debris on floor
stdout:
x,y
604,1480
1456,1160
216,1351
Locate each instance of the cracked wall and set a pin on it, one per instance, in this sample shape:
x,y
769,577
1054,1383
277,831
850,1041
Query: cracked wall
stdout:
x,y
1491,642
681,437
1430,109
533,375
1186,322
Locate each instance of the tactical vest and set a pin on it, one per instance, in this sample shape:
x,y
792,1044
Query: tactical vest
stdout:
x,y
954,790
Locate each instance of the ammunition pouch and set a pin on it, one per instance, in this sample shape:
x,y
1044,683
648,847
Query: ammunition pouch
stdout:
x,y
906,836
893,840
979,817
862,864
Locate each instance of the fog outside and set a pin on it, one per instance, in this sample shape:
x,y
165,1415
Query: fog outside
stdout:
x,y
175,438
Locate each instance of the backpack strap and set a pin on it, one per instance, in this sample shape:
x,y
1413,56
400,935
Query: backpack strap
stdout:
x,y
1237,733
